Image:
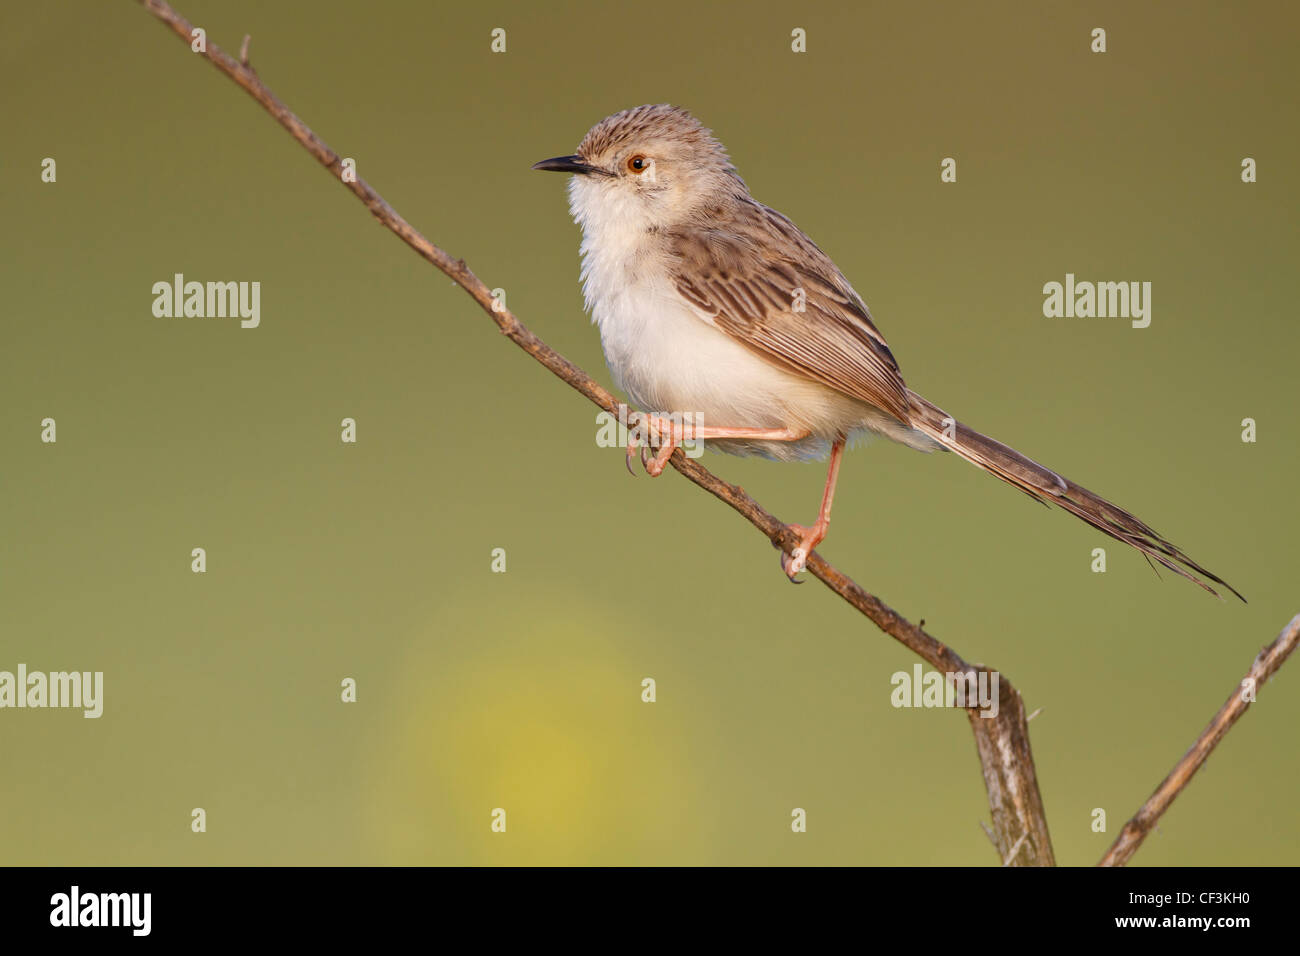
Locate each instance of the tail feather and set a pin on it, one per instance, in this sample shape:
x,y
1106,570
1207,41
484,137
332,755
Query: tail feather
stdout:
x,y
1047,486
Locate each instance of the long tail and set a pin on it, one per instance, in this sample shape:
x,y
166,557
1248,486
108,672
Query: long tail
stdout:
x,y
1046,486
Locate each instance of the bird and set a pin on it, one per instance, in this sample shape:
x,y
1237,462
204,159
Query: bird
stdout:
x,y
725,323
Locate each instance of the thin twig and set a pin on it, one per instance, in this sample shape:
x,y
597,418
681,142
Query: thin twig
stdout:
x,y
1265,666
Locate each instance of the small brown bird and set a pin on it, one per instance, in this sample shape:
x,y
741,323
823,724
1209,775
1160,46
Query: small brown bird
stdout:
x,y
713,308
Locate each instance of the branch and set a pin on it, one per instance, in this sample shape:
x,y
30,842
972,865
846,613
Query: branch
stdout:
x,y
1265,666
1019,821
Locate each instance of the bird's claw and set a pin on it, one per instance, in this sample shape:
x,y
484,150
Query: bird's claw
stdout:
x,y
796,560
794,563
667,440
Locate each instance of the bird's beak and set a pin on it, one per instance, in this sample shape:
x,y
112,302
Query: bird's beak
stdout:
x,y
568,164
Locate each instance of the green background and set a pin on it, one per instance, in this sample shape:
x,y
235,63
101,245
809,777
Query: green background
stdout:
x,y
522,690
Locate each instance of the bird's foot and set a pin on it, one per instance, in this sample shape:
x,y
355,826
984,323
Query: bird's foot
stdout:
x,y
797,559
655,430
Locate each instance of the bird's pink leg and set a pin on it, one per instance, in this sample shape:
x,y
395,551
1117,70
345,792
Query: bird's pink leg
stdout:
x,y
809,538
671,435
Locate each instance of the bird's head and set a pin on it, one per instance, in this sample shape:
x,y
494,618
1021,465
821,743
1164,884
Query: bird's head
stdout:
x,y
648,168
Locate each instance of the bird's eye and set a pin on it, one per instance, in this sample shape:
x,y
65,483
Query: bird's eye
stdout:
x,y
638,163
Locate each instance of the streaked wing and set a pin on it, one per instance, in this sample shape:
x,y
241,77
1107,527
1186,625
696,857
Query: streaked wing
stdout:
x,y
750,278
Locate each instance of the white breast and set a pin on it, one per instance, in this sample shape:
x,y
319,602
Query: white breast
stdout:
x,y
668,357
